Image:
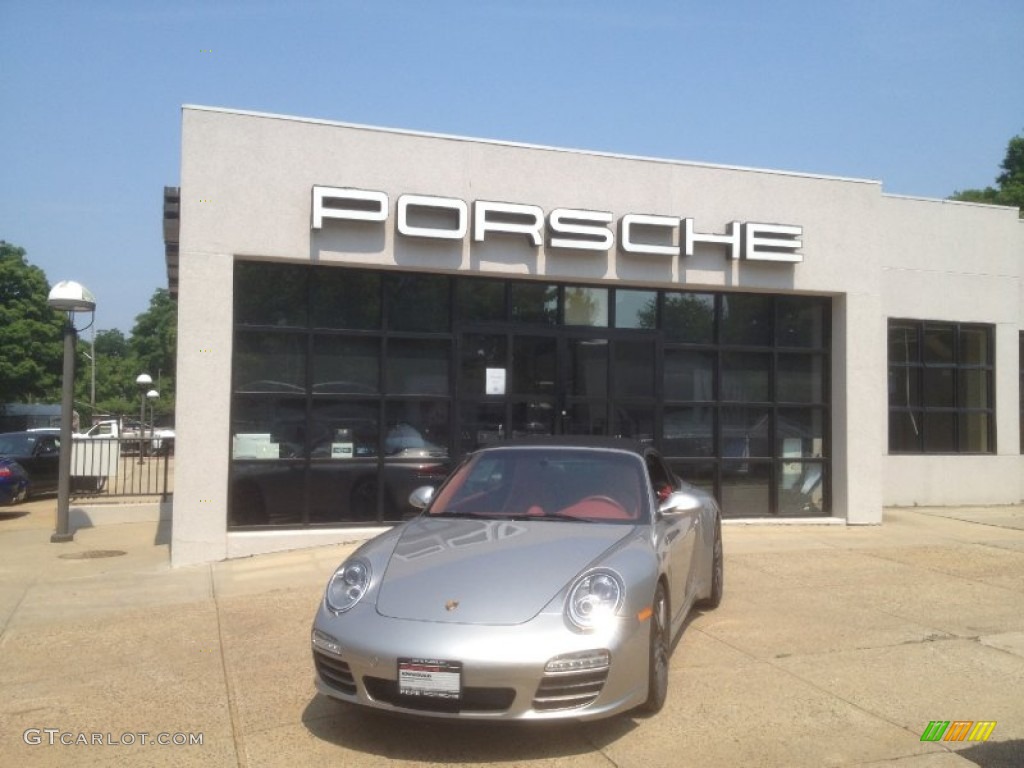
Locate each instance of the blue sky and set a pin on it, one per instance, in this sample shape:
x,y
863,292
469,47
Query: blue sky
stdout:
x,y
921,94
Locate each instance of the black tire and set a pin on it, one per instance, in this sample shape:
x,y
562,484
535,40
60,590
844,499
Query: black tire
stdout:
x,y
657,664
714,599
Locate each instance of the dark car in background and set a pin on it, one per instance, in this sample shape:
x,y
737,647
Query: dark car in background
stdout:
x,y
13,482
37,454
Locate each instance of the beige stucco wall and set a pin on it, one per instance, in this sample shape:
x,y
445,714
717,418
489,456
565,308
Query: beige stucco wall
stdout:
x,y
246,190
958,262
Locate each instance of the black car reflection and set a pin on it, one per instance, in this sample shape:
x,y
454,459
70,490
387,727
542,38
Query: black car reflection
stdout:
x,y
343,480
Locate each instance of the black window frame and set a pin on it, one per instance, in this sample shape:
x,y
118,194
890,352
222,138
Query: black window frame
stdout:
x,y
926,388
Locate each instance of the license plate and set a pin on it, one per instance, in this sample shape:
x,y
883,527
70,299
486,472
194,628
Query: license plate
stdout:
x,y
430,678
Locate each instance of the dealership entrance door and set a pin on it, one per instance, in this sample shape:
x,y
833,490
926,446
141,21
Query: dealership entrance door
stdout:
x,y
514,385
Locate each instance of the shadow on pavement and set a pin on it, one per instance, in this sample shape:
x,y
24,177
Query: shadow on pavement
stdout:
x,y
445,741
995,754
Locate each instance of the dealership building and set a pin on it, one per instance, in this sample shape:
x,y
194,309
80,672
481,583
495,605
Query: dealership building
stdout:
x,y
358,308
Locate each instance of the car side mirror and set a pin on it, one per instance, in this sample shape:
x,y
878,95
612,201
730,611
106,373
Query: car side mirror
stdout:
x,y
421,496
680,502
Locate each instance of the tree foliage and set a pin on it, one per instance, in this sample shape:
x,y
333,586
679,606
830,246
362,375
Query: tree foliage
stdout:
x,y
1010,183
31,346
107,363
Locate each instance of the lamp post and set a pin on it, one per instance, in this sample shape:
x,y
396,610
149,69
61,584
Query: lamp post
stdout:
x,y
69,297
152,395
144,381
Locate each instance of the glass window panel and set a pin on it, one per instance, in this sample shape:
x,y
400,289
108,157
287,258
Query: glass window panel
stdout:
x,y
938,344
417,367
481,424
266,493
636,309
903,347
800,379
976,433
636,422
939,389
341,430
479,353
747,319
418,302
345,298
905,431
633,369
270,362
416,449
534,363
689,317
903,387
801,432
533,417
975,348
267,427
588,367
586,306
974,388
801,489
481,301
343,365
746,489
689,374
746,432
270,294
534,303
745,376
343,492
688,431
586,419
939,432
801,322
416,429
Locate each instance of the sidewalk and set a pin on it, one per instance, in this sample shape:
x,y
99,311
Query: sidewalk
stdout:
x,y
833,646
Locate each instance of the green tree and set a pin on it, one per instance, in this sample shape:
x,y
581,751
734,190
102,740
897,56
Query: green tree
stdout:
x,y
1010,183
31,350
115,390
153,347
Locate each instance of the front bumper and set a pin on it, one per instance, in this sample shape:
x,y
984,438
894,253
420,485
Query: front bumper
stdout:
x,y
503,668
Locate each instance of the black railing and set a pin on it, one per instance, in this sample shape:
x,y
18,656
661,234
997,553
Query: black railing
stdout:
x,y
122,466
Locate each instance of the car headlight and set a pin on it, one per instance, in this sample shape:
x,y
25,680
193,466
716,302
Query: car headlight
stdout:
x,y
594,598
348,585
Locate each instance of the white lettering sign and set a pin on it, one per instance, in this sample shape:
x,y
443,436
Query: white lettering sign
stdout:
x,y
448,218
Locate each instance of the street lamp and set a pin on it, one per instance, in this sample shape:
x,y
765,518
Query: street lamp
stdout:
x,y
144,381
69,297
152,395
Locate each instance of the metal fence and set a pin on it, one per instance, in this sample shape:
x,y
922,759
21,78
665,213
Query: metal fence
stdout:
x,y
125,466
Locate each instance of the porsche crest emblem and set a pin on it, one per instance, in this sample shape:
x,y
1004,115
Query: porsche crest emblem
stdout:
x,y
451,605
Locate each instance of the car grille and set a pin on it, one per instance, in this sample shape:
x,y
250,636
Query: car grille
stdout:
x,y
473,699
335,672
569,690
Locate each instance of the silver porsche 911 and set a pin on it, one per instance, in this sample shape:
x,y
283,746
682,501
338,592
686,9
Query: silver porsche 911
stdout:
x,y
542,580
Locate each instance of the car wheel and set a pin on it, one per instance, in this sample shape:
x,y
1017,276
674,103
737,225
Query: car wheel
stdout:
x,y
714,599
657,665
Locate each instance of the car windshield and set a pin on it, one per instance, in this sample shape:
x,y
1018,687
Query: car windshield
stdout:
x,y
547,484
16,445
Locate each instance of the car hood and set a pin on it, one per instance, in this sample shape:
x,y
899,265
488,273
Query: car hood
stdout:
x,y
487,571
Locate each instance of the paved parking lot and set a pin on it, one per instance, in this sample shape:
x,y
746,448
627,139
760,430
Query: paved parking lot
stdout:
x,y
833,646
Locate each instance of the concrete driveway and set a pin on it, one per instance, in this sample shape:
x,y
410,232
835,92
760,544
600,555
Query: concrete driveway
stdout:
x,y
833,646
